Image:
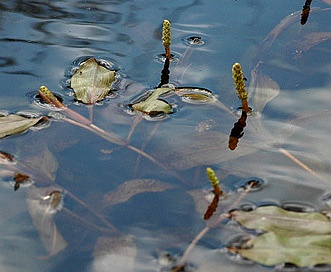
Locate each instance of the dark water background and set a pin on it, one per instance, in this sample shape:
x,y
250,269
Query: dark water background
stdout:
x,y
42,41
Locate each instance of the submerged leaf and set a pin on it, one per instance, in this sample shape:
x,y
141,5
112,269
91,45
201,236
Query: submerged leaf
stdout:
x,y
13,124
41,212
271,249
92,82
273,218
153,104
133,187
263,89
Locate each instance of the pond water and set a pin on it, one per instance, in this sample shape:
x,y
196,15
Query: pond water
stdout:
x,y
122,211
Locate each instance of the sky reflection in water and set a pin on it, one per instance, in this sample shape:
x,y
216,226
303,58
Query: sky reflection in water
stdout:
x,y
41,41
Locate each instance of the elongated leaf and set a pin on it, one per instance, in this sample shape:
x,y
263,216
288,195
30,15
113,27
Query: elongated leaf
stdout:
x,y
263,88
273,218
133,187
272,249
195,95
153,104
14,124
92,82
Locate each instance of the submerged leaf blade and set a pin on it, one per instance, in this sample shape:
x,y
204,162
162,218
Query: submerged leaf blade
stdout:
x,y
133,187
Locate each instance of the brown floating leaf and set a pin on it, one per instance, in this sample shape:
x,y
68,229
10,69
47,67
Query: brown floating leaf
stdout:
x,y
133,187
13,124
41,213
19,179
92,82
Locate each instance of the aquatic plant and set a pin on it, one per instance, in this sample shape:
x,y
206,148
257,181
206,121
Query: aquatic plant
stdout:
x,y
239,82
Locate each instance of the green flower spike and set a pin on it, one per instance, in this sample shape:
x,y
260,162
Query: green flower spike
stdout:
x,y
239,82
166,37
214,181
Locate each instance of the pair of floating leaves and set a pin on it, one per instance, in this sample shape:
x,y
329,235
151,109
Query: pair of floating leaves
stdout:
x,y
13,124
300,238
92,82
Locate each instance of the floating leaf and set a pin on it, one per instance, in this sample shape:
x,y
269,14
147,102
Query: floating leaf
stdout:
x,y
153,105
92,82
273,218
13,124
133,187
300,238
271,249
195,95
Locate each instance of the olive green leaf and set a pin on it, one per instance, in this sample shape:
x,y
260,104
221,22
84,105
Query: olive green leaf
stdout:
x,y
273,218
92,82
272,248
153,104
14,124
300,238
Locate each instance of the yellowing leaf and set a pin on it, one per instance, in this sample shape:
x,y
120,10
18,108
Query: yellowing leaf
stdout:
x,y
14,124
273,218
152,104
92,82
299,238
272,249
